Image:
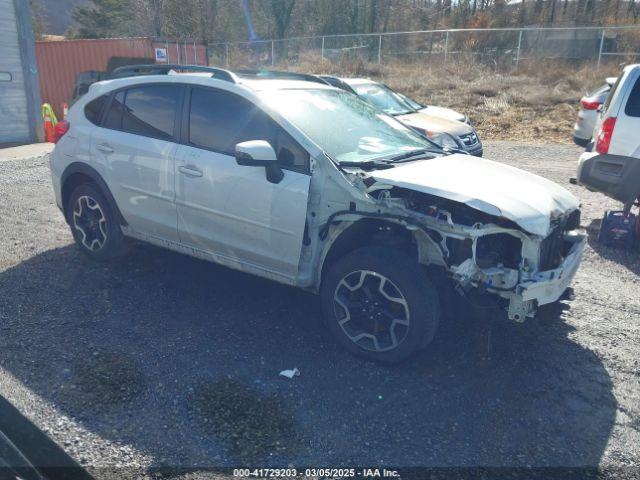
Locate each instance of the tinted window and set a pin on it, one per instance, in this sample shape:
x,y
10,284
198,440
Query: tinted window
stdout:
x,y
113,118
614,88
219,120
151,110
93,109
633,103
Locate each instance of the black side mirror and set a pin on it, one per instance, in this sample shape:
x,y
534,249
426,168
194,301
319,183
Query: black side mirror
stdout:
x,y
259,153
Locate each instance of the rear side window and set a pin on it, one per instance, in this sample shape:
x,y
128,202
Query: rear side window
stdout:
x,y
607,102
113,118
93,109
149,111
599,91
633,103
218,120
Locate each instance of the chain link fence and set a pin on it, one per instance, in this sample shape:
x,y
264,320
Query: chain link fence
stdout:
x,y
503,49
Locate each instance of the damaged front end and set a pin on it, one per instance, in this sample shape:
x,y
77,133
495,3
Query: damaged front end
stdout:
x,y
513,238
484,253
490,254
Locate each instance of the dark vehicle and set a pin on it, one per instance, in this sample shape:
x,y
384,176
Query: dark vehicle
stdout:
x,y
27,453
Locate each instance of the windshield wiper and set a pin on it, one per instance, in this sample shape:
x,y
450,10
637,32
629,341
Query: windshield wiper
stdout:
x,y
367,164
406,112
411,154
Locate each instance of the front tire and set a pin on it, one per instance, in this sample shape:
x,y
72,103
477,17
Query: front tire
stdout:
x,y
93,224
379,304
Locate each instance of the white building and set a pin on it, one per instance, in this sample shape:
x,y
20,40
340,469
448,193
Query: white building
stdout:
x,y
20,118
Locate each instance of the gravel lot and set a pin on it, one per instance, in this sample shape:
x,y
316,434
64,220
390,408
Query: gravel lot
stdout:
x,y
162,360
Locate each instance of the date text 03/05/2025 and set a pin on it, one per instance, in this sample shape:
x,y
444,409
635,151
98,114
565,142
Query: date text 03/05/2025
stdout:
x,y
315,473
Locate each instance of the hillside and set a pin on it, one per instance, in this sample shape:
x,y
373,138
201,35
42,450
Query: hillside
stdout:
x,y
57,14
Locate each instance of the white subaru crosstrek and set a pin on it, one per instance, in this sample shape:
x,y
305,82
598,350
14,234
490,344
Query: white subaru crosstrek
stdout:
x,y
307,185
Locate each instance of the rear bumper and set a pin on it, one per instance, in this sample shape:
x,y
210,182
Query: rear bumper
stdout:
x,y
581,142
585,123
616,176
55,177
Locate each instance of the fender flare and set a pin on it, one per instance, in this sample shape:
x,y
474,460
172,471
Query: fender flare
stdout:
x,y
88,171
427,249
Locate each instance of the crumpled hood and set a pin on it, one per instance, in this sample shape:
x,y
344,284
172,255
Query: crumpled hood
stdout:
x,y
491,187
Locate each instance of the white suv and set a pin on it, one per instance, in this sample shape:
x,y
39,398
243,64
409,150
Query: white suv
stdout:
x,y
613,168
307,185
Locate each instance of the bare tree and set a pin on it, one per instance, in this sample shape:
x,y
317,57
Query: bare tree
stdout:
x,y
373,12
281,12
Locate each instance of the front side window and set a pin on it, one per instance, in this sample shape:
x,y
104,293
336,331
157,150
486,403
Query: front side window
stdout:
x,y
344,126
219,120
599,91
149,111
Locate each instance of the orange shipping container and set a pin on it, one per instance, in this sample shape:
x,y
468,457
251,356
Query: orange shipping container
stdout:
x,y
59,62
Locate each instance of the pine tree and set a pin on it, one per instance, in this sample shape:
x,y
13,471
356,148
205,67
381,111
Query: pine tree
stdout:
x,y
105,18
38,22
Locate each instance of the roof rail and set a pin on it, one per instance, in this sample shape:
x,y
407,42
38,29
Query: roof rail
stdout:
x,y
154,69
278,74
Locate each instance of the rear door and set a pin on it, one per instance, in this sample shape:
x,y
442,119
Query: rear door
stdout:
x,y
134,148
231,210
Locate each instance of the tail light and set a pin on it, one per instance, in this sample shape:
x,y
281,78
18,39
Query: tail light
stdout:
x,y
604,137
59,130
588,104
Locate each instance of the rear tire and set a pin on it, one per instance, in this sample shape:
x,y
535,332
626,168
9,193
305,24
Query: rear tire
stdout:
x,y
379,304
93,223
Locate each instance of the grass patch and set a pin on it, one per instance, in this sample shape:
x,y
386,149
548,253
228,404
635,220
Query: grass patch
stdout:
x,y
538,102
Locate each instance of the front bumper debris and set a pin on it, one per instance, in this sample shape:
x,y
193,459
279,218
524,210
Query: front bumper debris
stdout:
x,y
548,286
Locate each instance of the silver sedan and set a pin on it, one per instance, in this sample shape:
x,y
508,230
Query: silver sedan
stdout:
x,y
588,114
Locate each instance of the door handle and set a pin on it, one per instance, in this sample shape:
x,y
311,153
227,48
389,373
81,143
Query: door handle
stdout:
x,y
190,171
103,147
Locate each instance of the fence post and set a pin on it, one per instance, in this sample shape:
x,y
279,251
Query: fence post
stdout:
x,y
322,49
601,44
226,56
518,52
446,46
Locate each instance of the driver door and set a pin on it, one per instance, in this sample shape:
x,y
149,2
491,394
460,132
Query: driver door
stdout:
x,y
233,211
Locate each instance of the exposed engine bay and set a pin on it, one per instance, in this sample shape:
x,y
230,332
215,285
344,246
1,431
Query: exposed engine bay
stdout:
x,y
478,250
